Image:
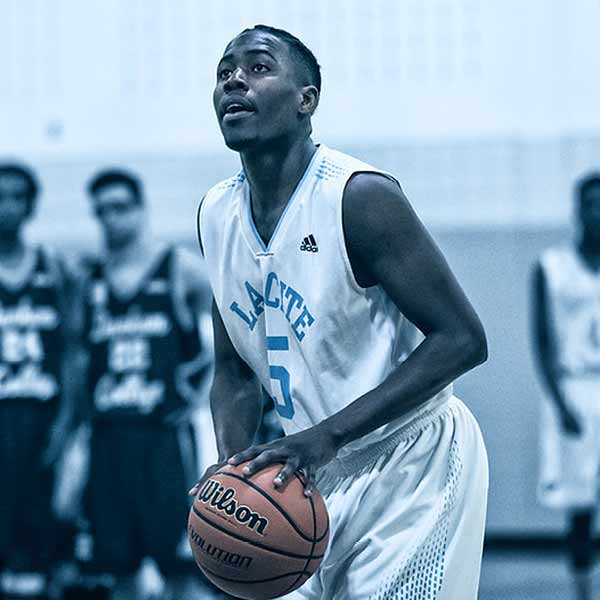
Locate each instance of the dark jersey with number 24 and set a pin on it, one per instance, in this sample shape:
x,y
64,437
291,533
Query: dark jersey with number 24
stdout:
x,y
31,340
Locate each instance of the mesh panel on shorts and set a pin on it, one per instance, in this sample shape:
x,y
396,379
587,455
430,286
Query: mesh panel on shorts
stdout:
x,y
421,577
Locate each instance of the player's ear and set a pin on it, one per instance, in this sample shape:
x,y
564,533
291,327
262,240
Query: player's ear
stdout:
x,y
309,100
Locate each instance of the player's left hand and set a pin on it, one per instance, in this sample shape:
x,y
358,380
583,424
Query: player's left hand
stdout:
x,y
305,451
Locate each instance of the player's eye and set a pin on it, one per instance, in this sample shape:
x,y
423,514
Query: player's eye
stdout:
x,y
260,68
224,73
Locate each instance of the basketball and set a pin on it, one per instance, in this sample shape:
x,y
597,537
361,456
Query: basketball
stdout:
x,y
255,541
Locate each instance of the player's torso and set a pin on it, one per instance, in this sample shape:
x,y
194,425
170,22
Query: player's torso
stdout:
x,y
137,346
31,340
574,302
292,308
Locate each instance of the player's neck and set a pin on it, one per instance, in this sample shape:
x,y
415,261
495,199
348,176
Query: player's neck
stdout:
x,y
11,246
273,174
131,250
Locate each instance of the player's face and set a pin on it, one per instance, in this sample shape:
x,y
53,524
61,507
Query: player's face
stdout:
x,y
14,204
590,212
258,92
119,213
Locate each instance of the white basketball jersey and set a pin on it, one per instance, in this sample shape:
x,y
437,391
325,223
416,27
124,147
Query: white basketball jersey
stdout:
x,y
574,309
293,310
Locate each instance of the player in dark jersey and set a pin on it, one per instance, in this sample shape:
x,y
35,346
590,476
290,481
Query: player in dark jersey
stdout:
x,y
35,412
142,300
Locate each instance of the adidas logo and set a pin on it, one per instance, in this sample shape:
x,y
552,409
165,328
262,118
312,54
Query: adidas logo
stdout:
x,y
309,244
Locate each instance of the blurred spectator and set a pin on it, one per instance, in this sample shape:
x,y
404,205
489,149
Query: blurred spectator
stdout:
x,y
566,318
35,395
141,300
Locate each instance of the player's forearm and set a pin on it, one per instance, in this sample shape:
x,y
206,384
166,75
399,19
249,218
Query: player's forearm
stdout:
x,y
550,377
236,410
438,361
73,387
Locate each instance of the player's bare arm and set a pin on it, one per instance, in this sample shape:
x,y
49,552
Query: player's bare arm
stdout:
x,y
194,283
389,246
544,340
192,300
235,399
72,362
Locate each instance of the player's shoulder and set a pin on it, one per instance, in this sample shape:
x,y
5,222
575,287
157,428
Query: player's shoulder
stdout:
x,y
374,199
221,191
60,263
557,256
334,164
220,199
186,259
189,266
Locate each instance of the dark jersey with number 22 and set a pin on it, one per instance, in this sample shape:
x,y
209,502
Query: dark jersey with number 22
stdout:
x,y
142,360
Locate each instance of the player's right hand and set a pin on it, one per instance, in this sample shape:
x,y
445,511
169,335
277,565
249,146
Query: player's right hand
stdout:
x,y
570,423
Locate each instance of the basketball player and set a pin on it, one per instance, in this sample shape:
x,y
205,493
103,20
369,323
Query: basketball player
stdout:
x,y
320,271
142,302
35,405
566,318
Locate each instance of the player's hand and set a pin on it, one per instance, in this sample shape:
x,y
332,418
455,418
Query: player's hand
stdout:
x,y
570,423
305,451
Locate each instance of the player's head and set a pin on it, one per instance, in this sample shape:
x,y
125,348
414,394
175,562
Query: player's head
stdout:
x,y
588,207
118,204
18,192
267,89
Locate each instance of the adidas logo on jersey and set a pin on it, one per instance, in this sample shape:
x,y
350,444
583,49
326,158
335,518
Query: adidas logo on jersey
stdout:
x,y
309,244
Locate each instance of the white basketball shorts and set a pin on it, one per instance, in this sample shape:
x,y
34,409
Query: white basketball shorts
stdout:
x,y
570,465
407,517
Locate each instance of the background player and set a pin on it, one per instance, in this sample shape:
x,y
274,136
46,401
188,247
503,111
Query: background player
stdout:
x,y
401,461
142,302
566,318
35,396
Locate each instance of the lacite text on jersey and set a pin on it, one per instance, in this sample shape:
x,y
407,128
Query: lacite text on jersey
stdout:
x,y
289,301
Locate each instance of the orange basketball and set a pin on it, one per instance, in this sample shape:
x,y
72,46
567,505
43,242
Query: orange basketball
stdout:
x,y
252,540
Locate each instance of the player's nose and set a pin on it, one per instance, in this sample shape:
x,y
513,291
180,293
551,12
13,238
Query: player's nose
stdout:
x,y
236,81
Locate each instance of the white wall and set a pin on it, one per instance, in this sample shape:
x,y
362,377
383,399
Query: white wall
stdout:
x,y
83,78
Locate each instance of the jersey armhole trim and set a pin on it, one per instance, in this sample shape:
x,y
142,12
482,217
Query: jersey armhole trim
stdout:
x,y
341,235
198,232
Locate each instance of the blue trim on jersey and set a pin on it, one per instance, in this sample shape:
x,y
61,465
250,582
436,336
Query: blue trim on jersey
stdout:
x,y
277,342
282,216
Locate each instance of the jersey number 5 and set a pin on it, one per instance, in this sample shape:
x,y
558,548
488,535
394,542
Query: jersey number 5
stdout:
x,y
283,406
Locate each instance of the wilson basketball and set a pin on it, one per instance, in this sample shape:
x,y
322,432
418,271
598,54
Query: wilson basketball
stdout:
x,y
255,541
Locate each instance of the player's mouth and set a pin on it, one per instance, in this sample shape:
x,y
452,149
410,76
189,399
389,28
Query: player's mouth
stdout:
x,y
236,109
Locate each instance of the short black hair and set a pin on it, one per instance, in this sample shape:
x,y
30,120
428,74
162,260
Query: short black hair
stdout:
x,y
108,177
298,49
25,173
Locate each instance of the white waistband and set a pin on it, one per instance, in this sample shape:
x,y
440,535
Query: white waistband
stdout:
x,y
363,459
